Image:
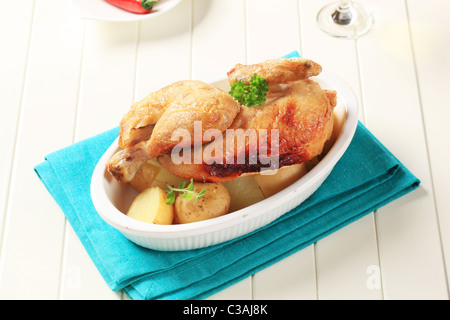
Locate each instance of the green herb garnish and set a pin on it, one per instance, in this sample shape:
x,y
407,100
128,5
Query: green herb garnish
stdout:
x,y
253,94
187,193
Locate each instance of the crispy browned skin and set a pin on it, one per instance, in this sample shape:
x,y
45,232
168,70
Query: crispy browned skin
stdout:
x,y
276,71
302,113
146,130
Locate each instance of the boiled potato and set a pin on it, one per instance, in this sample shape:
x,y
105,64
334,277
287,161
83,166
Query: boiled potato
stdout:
x,y
152,174
164,177
244,191
214,203
145,176
285,176
150,206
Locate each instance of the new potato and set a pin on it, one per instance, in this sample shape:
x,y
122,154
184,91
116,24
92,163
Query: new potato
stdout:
x,y
150,206
214,203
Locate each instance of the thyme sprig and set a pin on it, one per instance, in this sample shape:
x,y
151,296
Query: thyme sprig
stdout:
x,y
187,193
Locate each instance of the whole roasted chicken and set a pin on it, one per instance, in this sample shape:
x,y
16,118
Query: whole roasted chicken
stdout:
x,y
291,127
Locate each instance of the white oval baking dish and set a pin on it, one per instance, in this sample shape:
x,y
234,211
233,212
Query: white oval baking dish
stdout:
x,y
112,199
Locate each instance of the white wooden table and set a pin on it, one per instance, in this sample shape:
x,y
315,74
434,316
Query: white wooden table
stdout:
x,y
63,79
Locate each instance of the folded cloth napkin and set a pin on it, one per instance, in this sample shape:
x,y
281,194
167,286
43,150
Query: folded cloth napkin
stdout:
x,y
367,177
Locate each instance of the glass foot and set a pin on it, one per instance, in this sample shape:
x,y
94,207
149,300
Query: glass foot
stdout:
x,y
349,22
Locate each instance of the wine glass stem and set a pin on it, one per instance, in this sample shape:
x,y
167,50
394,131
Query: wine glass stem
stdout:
x,y
344,4
343,14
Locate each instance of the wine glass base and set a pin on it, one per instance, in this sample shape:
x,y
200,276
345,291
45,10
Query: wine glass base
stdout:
x,y
360,23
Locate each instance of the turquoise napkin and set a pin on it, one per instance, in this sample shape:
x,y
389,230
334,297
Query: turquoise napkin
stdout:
x,y
367,177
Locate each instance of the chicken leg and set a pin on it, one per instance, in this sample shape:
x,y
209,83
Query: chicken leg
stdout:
x,y
146,130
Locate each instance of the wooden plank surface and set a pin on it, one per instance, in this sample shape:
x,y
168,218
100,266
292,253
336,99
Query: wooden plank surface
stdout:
x,y
411,265
32,239
430,39
13,62
61,85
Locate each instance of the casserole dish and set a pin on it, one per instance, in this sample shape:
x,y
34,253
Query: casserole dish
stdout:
x,y
112,199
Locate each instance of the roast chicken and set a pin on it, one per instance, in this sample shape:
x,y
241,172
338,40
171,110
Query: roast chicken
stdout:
x,y
290,128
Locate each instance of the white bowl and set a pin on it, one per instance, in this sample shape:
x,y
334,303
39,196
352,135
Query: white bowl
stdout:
x,y
112,199
103,11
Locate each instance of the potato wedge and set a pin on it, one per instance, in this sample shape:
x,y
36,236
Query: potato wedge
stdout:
x,y
164,177
150,206
152,174
145,176
271,184
244,191
214,203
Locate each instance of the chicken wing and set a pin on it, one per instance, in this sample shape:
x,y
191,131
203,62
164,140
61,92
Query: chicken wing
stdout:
x,y
146,130
276,71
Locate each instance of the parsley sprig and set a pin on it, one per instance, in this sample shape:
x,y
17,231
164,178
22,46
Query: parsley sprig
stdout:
x,y
253,94
187,193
